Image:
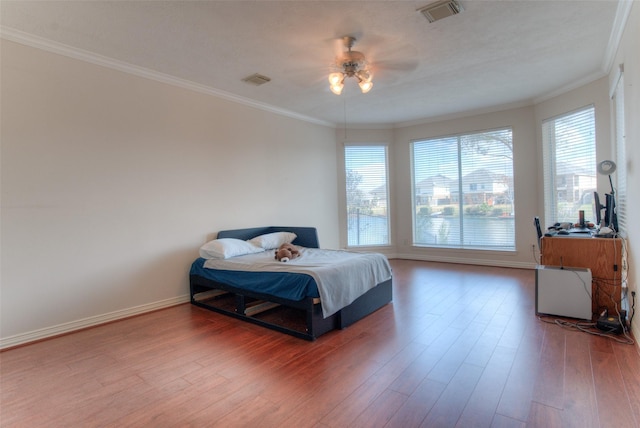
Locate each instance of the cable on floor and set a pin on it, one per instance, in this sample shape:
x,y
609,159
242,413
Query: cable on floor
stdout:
x,y
588,327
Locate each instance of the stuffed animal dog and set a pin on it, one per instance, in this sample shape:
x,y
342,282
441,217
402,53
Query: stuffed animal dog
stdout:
x,y
287,252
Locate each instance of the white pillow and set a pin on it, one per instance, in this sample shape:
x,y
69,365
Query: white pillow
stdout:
x,y
269,241
225,248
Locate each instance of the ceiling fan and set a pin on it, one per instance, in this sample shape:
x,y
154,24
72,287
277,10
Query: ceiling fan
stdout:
x,y
350,64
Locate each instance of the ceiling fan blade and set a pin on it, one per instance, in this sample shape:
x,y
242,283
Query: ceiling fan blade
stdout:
x,y
408,65
348,26
386,54
338,48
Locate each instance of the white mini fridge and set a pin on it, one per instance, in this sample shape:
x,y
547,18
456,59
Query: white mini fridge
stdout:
x,y
564,292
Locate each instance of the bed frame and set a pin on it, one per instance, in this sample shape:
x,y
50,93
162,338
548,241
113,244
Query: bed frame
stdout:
x,y
302,318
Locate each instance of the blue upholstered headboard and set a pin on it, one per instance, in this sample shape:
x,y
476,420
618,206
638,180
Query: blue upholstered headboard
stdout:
x,y
306,236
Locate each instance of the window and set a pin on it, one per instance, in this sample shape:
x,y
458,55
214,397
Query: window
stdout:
x,y
367,195
463,191
621,159
569,155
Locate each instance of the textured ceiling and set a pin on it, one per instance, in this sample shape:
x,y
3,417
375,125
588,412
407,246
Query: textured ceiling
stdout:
x,y
493,54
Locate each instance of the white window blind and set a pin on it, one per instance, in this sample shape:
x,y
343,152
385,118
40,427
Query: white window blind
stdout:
x,y
367,195
569,157
463,191
621,158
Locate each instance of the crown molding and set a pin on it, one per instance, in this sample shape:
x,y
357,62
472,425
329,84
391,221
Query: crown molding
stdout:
x,y
570,87
464,114
619,23
37,42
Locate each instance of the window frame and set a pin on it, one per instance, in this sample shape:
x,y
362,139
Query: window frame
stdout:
x,y
368,146
461,244
551,196
619,125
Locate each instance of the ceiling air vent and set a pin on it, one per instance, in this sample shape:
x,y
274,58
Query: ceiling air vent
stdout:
x,y
256,79
441,9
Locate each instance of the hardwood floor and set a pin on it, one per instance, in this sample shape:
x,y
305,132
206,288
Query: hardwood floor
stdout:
x,y
460,346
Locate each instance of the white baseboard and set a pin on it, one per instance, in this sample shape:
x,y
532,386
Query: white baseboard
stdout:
x,y
44,333
466,261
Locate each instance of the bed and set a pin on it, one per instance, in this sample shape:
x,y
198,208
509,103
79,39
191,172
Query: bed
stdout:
x,y
286,297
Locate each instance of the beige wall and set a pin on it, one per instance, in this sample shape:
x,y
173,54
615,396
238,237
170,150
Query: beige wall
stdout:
x,y
111,182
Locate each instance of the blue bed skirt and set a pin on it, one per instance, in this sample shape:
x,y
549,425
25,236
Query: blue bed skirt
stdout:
x,y
291,286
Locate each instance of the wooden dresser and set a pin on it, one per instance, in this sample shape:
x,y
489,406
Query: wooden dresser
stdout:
x,y
602,255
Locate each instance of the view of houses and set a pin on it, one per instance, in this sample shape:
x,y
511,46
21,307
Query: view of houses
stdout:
x,y
437,200
479,187
485,198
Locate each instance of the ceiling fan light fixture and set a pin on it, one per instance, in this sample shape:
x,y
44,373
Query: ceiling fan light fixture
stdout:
x,y
351,64
364,75
335,78
365,86
337,88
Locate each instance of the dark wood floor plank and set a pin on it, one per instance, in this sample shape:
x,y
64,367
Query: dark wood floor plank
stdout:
x,y
580,406
249,413
481,407
460,345
500,421
542,416
613,404
549,387
417,406
181,405
629,362
380,411
413,375
221,403
515,402
106,409
325,396
451,403
358,401
455,356
483,349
